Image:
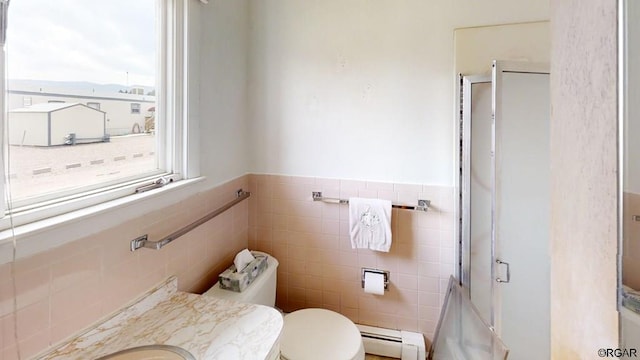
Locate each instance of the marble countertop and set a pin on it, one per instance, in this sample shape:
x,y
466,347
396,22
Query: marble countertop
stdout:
x,y
207,327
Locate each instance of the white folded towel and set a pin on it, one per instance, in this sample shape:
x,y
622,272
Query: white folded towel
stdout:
x,y
370,224
242,259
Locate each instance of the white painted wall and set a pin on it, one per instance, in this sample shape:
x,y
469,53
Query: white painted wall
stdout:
x,y
477,47
361,89
584,230
223,48
632,100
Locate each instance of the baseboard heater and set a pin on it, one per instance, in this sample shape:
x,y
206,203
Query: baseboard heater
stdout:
x,y
399,344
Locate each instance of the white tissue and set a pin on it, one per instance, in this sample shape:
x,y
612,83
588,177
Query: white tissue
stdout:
x,y
373,283
242,259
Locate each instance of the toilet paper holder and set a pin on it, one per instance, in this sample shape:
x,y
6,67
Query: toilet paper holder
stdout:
x,y
384,273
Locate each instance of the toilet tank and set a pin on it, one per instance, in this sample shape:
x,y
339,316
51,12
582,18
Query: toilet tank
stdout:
x,y
261,291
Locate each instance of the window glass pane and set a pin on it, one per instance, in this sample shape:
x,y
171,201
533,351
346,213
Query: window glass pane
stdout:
x,y
88,69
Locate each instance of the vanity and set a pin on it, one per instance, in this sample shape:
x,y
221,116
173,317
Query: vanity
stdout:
x,y
206,327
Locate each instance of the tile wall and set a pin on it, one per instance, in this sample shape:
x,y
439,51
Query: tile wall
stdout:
x,y
318,268
62,291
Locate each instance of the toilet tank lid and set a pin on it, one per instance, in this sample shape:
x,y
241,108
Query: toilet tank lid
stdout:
x,y
271,261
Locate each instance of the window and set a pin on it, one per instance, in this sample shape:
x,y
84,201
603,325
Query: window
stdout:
x,y
74,154
26,101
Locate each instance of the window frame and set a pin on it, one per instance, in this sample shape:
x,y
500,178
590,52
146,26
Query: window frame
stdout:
x,y
172,123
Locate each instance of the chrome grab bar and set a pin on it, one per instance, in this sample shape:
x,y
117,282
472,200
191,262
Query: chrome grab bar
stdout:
x,y
143,241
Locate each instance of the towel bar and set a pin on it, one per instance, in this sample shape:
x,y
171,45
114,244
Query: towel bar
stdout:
x,y
143,241
423,205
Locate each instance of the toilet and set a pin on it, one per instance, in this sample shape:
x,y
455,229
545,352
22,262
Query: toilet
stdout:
x,y
308,334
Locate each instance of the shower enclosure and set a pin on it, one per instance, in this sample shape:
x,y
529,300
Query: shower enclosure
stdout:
x,y
504,185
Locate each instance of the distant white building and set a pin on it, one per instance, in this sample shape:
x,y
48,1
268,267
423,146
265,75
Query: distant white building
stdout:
x,y
126,113
49,124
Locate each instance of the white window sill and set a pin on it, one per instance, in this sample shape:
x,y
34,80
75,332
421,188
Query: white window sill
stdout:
x,y
46,234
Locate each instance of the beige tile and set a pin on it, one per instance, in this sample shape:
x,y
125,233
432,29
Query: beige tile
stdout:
x,y
305,224
407,198
279,222
9,353
65,303
368,193
34,344
82,318
330,227
298,281
300,192
408,188
8,330
314,282
313,298
352,185
430,313
373,185
407,323
32,319
330,211
305,208
297,252
315,268
346,194
6,295
324,184
409,282
310,240
74,269
297,267
32,285
331,298
408,266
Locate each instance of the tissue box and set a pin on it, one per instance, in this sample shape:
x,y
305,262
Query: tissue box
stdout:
x,y
237,281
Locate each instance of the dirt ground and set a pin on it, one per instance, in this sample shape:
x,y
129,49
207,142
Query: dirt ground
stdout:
x,y
36,171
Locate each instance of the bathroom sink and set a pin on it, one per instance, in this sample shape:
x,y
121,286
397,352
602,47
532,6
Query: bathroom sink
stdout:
x,y
151,352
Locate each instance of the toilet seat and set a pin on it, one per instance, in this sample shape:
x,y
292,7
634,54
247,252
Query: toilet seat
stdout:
x,y
319,334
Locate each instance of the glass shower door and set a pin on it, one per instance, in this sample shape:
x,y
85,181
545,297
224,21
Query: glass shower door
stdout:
x,y
521,108
476,192
462,333
505,203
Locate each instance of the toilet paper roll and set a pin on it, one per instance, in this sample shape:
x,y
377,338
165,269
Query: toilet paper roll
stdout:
x,y
374,283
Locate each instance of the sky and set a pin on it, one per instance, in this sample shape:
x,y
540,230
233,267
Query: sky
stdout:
x,y
82,40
